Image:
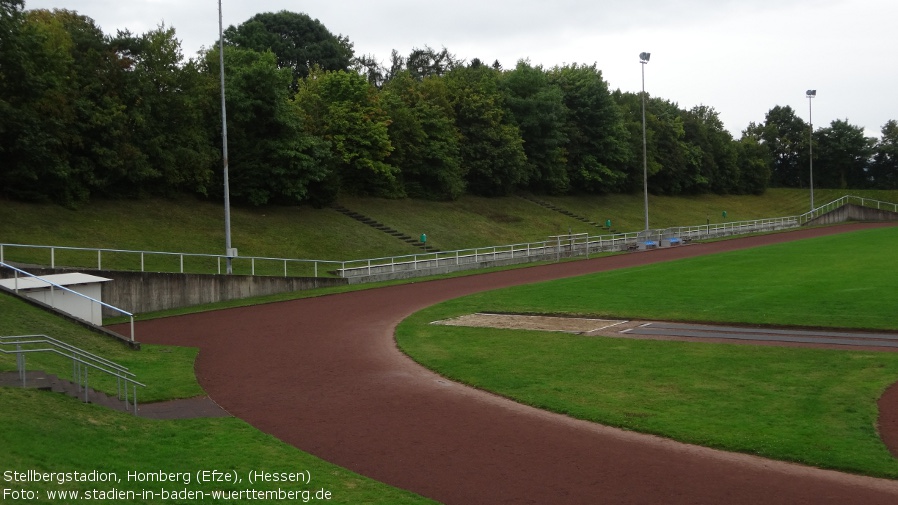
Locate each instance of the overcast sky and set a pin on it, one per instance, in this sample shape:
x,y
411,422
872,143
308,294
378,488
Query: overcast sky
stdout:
x,y
740,57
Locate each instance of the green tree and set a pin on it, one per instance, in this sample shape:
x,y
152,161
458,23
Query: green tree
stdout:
x,y
539,111
74,137
30,130
786,136
680,161
271,158
167,106
597,138
755,163
343,108
719,157
299,42
885,159
425,141
427,62
492,150
842,156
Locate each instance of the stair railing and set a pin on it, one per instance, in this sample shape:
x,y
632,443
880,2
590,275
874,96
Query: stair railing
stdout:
x,y
82,362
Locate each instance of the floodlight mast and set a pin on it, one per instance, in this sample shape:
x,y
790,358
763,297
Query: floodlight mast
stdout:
x,y
811,93
643,59
224,145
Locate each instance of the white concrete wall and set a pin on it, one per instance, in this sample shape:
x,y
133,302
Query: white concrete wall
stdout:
x,y
82,308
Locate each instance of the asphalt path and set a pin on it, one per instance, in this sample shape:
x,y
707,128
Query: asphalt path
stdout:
x,y
324,374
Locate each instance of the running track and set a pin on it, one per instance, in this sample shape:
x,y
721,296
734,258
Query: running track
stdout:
x,y
324,375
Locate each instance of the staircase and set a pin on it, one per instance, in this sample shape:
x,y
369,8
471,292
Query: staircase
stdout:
x,y
40,380
384,228
84,366
566,212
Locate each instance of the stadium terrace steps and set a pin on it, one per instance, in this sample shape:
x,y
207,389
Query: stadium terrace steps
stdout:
x,y
382,227
560,210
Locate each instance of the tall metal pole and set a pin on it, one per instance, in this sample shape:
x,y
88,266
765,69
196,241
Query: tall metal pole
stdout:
x,y
224,142
811,141
645,164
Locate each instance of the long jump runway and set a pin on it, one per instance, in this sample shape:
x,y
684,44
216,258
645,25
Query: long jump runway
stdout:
x,y
324,374
828,338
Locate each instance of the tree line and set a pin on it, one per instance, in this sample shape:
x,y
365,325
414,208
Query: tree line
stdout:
x,y
85,114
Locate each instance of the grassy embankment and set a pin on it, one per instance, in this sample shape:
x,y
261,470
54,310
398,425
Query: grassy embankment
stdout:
x,y
192,226
812,406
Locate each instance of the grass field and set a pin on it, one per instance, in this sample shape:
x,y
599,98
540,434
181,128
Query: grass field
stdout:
x,y
806,405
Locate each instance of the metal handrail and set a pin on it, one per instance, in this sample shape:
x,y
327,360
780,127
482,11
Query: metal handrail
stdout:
x,y
82,295
82,361
829,207
181,256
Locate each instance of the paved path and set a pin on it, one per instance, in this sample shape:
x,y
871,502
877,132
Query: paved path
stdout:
x,y
324,374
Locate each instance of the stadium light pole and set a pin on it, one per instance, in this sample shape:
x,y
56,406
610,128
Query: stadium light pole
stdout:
x,y
643,59
224,144
811,93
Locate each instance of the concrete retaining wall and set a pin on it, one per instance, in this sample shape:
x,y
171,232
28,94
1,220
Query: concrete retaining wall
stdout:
x,y
140,292
852,212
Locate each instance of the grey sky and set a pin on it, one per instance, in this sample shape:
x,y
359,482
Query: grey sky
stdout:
x,y
740,57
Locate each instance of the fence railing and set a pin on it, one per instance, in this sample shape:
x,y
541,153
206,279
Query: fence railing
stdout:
x,y
579,244
160,261
54,286
82,363
845,200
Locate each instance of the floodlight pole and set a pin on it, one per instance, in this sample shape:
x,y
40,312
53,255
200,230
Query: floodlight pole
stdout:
x,y
224,143
811,93
643,59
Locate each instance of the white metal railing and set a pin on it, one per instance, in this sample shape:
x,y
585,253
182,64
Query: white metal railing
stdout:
x,y
579,244
53,285
82,362
198,263
835,204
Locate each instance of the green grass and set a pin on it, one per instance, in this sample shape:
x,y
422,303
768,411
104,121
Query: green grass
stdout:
x,y
51,432
811,406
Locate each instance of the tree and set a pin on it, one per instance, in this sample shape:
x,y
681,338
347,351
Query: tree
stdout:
x,y
344,109
673,164
426,62
29,70
719,165
786,136
71,136
272,159
755,163
424,139
299,42
680,161
539,111
596,135
166,103
492,151
885,159
842,156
